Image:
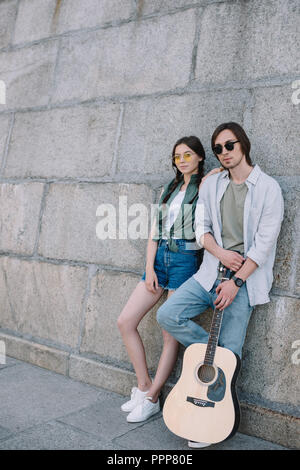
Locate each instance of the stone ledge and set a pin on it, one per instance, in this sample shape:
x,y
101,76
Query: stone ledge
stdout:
x,y
101,375
270,425
35,353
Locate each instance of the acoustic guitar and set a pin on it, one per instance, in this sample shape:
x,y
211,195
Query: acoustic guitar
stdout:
x,y
203,405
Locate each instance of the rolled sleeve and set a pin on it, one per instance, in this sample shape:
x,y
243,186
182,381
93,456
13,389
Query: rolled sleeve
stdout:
x,y
199,223
203,222
268,226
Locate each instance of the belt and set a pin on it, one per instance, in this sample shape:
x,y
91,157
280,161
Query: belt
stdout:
x,y
171,242
224,274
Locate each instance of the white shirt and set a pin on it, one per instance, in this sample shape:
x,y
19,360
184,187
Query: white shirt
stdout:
x,y
263,214
173,211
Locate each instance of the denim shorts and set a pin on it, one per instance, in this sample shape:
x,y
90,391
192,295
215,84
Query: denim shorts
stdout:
x,y
174,268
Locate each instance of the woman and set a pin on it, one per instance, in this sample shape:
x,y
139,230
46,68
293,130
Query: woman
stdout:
x,y
172,258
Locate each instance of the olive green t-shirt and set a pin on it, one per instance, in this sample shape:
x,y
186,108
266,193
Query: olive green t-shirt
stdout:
x,y
232,214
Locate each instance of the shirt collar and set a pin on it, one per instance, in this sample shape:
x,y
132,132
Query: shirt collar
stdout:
x,y
194,178
252,178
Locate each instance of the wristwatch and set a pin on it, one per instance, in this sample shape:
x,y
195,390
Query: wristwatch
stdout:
x,y
238,281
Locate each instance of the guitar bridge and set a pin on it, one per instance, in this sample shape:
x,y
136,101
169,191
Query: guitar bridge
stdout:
x,y
200,402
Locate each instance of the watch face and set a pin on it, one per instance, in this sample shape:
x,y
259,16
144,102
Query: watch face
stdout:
x,y
239,282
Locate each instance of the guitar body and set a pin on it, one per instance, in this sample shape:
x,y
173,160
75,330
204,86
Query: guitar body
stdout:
x,y
203,405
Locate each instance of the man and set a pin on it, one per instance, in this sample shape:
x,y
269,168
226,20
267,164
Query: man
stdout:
x,y
242,211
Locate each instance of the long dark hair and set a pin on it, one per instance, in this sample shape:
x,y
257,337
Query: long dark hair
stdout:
x,y
194,144
240,135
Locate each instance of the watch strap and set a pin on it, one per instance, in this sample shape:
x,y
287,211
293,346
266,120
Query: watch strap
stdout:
x,y
238,281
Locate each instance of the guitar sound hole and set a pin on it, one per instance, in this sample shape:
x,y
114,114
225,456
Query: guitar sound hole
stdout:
x,y
206,373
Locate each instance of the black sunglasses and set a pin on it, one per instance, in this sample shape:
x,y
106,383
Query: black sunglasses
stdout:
x,y
229,146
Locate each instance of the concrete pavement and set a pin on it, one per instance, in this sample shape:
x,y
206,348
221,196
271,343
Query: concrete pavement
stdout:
x,y
40,409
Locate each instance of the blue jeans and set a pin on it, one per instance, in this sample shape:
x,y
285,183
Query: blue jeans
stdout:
x,y
174,268
190,300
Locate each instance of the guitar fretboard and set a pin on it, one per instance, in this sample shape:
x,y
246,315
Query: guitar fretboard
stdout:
x,y
213,337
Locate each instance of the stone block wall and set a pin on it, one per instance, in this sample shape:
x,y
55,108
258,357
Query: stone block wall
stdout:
x,y
97,92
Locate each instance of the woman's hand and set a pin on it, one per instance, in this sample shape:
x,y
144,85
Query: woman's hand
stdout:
x,y
211,172
151,280
214,171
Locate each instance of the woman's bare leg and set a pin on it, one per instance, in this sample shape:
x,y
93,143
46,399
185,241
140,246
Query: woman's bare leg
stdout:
x,y
138,304
166,362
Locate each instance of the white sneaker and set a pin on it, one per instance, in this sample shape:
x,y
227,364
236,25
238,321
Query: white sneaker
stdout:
x,y
137,396
198,445
143,411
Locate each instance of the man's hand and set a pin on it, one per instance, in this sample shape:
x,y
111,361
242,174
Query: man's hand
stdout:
x,y
227,291
231,260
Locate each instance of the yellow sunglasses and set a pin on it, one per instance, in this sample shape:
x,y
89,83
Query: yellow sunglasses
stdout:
x,y
187,157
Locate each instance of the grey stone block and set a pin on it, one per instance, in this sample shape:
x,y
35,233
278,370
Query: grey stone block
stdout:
x,y
102,314
128,60
28,74
297,273
31,396
7,21
69,229
42,18
8,361
151,128
72,142
54,436
4,433
19,216
75,14
286,268
4,130
35,353
248,40
36,19
268,370
161,6
104,419
270,425
275,137
51,308
101,375
153,435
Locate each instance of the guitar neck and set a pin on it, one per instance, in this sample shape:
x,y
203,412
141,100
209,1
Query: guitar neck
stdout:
x,y
213,336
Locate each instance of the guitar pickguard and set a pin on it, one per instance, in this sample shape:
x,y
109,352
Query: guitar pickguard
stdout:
x,y
216,391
